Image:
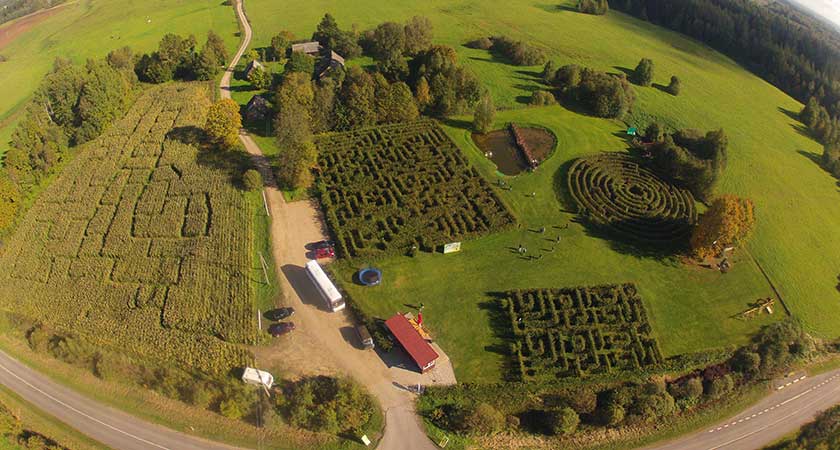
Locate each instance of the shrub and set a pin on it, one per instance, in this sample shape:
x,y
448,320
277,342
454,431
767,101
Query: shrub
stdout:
x,y
542,98
518,52
260,78
746,362
252,180
483,419
563,421
483,43
597,7
719,387
674,86
831,158
612,415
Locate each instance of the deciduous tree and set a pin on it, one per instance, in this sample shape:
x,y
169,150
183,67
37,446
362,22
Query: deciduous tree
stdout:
x,y
674,87
485,113
223,123
643,74
728,221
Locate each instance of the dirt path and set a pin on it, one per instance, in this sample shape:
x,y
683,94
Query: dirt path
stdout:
x,y
325,340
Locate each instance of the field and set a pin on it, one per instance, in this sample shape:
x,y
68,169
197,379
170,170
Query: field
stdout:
x,y
770,161
423,191
142,245
576,332
90,29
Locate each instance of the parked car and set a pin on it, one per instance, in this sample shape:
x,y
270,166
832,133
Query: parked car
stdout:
x,y
279,329
322,244
279,314
321,253
364,337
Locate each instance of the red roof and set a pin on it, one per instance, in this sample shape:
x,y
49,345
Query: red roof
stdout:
x,y
420,351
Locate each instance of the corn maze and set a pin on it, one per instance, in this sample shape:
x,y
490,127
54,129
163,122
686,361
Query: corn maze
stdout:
x,y
617,192
139,248
579,331
387,189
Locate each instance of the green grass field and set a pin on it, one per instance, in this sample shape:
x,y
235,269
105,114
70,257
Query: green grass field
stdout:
x,y
92,28
770,161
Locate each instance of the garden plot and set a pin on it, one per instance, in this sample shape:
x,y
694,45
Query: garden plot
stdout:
x,y
137,246
579,331
389,188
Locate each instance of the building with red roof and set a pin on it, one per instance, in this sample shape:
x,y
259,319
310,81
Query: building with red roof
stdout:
x,y
409,338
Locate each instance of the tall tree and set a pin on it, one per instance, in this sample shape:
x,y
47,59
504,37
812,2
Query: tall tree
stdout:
x,y
358,103
728,221
485,113
643,74
330,36
280,44
674,87
215,48
293,100
388,42
418,35
223,123
401,106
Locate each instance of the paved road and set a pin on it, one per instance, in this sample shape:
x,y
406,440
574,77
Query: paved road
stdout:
x,y
325,334
107,425
777,415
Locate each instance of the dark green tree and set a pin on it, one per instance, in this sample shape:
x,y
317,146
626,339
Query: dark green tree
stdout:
x,y
674,87
300,62
643,74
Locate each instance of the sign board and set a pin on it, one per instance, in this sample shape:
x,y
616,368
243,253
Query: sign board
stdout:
x,y
365,440
451,247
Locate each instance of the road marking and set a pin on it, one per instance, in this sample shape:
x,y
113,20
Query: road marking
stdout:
x,y
79,412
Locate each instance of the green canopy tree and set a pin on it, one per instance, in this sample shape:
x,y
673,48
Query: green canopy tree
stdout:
x,y
643,74
223,123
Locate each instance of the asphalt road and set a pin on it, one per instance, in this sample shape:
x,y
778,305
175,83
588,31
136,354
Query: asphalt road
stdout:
x,y
778,414
104,424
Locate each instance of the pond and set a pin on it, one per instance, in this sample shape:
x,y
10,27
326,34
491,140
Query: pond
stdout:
x,y
500,146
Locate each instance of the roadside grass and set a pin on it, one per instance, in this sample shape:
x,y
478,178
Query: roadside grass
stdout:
x,y
264,284
92,28
770,161
33,419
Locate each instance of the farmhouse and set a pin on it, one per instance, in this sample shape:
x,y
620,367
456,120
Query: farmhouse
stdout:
x,y
251,67
310,48
257,108
330,62
410,339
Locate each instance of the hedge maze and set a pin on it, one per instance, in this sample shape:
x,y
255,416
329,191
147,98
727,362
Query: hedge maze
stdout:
x,y
138,247
614,190
579,331
389,188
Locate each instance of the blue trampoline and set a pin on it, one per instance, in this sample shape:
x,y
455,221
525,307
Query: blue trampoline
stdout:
x,y
370,276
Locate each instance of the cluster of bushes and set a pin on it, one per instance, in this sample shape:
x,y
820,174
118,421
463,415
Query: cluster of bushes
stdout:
x,y
518,52
563,408
442,86
603,94
597,7
688,157
821,434
178,58
325,404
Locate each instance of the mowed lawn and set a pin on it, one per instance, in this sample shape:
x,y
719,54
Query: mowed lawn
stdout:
x,y
770,161
90,29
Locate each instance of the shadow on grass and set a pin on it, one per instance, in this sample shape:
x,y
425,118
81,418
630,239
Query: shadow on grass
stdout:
x,y
625,71
457,123
553,7
531,74
500,324
662,88
798,125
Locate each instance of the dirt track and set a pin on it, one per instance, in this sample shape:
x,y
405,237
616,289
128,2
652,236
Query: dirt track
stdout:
x,y
9,31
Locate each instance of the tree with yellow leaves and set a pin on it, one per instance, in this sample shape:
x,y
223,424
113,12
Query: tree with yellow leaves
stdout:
x,y
727,222
223,123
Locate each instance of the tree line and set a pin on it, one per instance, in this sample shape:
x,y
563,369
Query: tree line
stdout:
x,y
791,50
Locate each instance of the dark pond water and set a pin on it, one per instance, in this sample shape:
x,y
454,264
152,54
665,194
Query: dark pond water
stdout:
x,y
500,147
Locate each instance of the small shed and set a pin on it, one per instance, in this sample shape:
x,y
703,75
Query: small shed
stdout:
x,y
328,63
410,339
312,48
632,131
257,109
252,66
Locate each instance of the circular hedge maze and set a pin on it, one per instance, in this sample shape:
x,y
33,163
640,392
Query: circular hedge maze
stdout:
x,y
616,191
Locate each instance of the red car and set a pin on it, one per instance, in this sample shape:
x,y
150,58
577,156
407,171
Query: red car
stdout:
x,y
327,252
279,329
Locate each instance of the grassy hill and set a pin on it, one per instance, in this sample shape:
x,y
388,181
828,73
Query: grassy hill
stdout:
x,y
92,28
770,161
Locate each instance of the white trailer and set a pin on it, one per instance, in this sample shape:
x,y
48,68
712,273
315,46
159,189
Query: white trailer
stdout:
x,y
325,287
257,377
